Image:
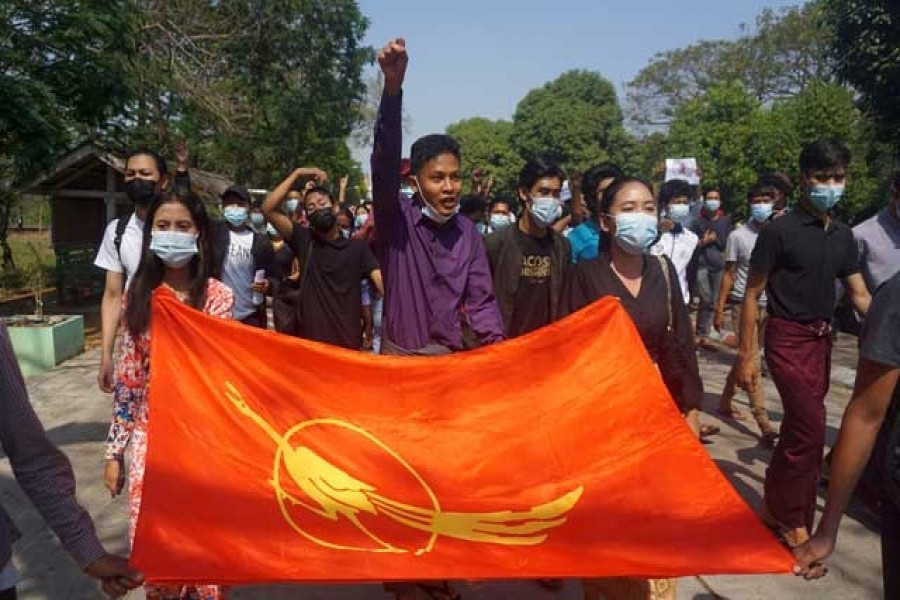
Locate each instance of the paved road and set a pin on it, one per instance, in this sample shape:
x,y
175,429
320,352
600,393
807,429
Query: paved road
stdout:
x,y
76,414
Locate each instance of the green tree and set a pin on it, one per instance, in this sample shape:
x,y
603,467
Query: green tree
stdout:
x,y
488,144
572,120
718,129
866,47
775,58
60,77
255,87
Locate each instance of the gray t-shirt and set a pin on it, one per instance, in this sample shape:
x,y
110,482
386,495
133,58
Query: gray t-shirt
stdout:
x,y
880,343
237,272
738,250
878,240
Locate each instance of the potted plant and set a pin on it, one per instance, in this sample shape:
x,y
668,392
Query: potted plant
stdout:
x,y
42,342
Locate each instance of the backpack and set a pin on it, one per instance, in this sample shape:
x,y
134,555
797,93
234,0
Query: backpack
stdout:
x,y
121,226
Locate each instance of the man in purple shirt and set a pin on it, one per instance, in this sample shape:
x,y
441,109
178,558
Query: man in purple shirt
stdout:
x,y
435,270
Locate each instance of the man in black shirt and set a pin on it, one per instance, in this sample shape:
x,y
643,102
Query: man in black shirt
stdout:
x,y
796,260
332,268
871,426
528,260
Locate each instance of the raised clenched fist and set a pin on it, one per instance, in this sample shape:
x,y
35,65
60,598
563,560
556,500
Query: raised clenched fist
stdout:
x,y
393,60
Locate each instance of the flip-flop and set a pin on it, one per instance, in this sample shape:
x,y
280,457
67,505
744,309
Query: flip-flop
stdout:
x,y
731,415
770,439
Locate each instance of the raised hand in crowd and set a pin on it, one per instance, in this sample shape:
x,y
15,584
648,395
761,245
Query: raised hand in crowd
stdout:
x,y
393,61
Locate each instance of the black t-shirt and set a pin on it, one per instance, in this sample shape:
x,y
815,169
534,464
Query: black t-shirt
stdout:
x,y
672,350
880,343
803,260
532,308
331,287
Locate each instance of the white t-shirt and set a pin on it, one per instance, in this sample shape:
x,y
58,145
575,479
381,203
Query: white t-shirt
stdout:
x,y
129,256
237,272
738,250
679,247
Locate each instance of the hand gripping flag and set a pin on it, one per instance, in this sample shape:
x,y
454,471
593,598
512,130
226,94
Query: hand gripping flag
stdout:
x,y
558,454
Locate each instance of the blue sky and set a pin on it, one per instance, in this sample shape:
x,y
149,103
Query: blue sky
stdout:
x,y
479,58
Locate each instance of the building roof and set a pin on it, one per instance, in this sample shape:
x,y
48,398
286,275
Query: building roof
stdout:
x,y
85,168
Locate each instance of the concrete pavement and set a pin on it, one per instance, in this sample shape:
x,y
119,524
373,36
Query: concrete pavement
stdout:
x,y
76,416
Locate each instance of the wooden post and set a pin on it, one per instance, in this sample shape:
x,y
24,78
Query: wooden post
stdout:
x,y
110,198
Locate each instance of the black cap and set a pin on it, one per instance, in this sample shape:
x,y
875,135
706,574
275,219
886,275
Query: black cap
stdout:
x,y
239,191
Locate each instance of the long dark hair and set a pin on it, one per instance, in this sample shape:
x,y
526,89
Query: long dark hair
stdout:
x,y
609,196
152,270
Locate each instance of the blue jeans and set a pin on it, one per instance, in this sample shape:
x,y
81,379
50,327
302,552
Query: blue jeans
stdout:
x,y
377,310
708,284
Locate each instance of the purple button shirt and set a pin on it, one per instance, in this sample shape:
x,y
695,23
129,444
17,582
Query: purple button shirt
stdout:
x,y
433,275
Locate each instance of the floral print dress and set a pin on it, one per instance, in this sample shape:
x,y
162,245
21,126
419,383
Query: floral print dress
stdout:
x,y
129,427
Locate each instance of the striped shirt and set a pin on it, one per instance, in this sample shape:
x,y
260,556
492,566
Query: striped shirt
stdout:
x,y
43,472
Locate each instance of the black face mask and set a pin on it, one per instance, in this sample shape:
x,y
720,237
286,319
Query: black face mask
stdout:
x,y
141,191
322,220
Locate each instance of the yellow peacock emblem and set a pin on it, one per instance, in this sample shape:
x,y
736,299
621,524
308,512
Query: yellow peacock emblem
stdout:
x,y
332,493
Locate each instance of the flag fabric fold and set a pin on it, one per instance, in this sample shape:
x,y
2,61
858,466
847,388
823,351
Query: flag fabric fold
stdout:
x,y
558,454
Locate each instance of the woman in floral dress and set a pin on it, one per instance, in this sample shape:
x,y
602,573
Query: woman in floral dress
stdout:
x,y
175,257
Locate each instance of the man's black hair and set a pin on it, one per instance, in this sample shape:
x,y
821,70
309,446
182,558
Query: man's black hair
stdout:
x,y
319,190
592,178
512,204
430,147
761,190
711,188
674,188
539,168
471,204
777,180
826,153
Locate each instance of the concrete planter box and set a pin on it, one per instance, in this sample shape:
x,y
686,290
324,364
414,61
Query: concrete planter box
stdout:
x,y
42,345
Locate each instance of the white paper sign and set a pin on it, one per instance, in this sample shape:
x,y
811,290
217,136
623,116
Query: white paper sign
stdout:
x,y
682,168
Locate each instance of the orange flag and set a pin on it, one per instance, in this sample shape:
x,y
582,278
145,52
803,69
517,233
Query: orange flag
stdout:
x,y
558,454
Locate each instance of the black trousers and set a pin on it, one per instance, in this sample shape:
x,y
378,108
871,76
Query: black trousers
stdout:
x,y
9,594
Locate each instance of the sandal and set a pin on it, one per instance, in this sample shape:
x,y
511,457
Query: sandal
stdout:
x,y
732,414
708,430
770,439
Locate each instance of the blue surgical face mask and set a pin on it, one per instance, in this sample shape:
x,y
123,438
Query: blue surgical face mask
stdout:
x,y
257,219
430,212
406,190
545,210
761,212
360,220
679,212
825,197
482,228
291,205
270,229
712,205
635,232
235,215
499,221
174,248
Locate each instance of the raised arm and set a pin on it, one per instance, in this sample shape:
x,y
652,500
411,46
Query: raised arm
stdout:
x,y
389,138
271,206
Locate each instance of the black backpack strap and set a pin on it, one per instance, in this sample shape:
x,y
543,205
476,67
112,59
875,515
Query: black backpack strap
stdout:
x,y
121,226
